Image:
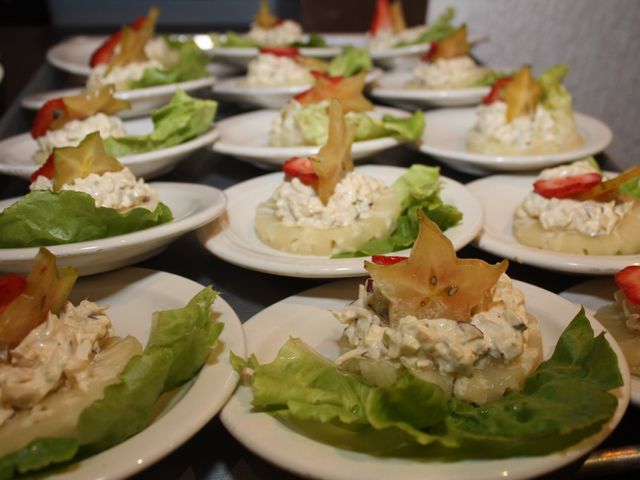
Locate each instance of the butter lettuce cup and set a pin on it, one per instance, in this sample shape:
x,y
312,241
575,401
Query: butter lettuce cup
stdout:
x,y
432,366
578,209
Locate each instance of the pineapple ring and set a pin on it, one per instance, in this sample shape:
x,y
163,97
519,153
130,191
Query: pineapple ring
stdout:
x,y
623,240
310,240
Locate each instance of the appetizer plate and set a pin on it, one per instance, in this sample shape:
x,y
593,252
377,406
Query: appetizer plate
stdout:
x,y
500,195
595,294
446,135
389,54
16,153
236,90
73,54
266,332
133,294
192,206
243,55
391,88
233,237
246,136
143,100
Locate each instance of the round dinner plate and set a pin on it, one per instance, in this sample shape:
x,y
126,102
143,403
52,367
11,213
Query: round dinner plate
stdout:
x,y
500,195
391,87
246,136
133,294
73,54
143,100
243,55
233,237
192,206
594,294
307,316
16,153
446,135
236,90
386,54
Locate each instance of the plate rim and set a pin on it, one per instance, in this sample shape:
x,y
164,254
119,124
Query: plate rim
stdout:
x,y
380,91
311,297
216,242
547,259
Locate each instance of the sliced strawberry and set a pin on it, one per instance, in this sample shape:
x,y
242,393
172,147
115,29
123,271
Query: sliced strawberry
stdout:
x,y
46,115
104,53
290,52
335,80
11,286
301,168
387,259
48,170
628,280
566,187
496,91
431,54
382,19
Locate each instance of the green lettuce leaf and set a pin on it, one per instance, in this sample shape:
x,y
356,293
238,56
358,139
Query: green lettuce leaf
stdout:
x,y
313,121
418,189
631,187
441,28
314,40
44,218
192,64
182,119
173,355
563,402
555,97
233,40
189,333
350,62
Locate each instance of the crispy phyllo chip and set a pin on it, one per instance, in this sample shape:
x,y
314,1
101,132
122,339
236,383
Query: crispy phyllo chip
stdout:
x,y
334,161
433,282
522,94
78,162
455,45
347,90
89,103
264,18
133,41
397,16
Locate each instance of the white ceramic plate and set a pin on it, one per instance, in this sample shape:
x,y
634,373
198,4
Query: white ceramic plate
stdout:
x,y
500,195
446,135
236,90
246,136
16,153
595,294
382,55
192,206
234,239
390,87
133,294
306,316
73,54
143,100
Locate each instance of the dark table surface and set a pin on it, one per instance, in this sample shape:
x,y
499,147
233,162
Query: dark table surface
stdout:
x,y
213,453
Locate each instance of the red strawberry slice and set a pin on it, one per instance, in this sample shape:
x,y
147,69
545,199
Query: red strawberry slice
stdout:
x,y
382,19
46,115
387,260
46,170
301,168
628,280
104,53
495,93
11,286
566,187
433,50
290,52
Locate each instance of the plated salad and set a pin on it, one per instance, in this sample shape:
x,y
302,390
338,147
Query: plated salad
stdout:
x,y
285,66
267,30
324,207
523,115
448,65
134,58
578,209
622,318
441,360
389,28
81,193
66,121
304,120
71,387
